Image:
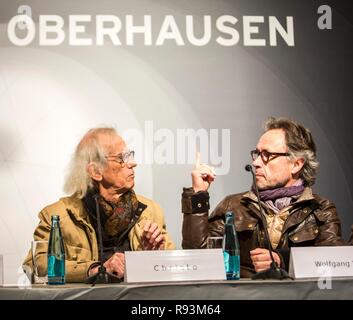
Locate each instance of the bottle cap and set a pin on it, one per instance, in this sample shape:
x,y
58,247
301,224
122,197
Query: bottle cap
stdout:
x,y
229,214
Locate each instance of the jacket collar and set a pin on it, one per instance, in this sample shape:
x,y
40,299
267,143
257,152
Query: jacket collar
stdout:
x,y
74,205
306,196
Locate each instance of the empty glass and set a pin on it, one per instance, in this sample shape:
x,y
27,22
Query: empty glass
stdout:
x,y
214,242
39,251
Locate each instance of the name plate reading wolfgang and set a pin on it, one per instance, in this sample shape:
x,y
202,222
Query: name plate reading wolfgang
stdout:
x,y
319,262
174,265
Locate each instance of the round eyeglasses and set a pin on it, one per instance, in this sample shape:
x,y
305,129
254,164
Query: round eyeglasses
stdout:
x,y
267,156
123,157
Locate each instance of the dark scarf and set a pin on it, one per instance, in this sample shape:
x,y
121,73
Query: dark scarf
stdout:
x,y
115,219
284,192
280,198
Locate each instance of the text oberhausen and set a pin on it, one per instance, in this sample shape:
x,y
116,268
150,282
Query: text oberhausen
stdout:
x,y
77,30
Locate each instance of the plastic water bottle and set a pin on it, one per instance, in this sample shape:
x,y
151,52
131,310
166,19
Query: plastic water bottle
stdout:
x,y
230,247
56,254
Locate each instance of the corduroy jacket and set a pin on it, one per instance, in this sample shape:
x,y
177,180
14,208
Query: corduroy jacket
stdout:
x,y
80,240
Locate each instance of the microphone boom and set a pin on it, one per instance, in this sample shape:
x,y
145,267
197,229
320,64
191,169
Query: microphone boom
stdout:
x,y
273,272
103,276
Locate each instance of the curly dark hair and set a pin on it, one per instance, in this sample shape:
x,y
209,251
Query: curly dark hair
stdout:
x,y
300,144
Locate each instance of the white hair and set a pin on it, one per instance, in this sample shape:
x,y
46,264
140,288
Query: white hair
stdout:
x,y
89,150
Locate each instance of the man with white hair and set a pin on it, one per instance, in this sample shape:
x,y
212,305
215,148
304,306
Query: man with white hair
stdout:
x,y
102,173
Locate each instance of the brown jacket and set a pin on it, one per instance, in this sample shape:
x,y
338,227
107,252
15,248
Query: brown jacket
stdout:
x,y
79,236
311,221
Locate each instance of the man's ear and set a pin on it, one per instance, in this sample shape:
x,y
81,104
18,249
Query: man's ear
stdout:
x,y
94,172
297,165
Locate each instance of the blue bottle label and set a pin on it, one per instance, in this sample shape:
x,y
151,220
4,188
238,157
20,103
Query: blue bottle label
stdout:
x,y
232,266
56,269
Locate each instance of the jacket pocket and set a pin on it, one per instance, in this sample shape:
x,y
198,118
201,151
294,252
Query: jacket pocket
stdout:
x,y
305,233
79,254
248,224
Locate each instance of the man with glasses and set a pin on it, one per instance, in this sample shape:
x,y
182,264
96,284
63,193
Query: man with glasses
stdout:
x,y
285,167
101,177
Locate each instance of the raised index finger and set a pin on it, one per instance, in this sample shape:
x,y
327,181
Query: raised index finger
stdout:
x,y
198,159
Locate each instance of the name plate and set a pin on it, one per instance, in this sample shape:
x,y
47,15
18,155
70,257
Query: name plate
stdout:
x,y
321,262
174,265
1,270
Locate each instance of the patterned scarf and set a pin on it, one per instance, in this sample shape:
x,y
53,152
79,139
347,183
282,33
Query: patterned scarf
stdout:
x,y
115,219
118,216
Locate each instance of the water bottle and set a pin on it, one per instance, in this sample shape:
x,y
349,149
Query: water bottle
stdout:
x,y
56,254
230,248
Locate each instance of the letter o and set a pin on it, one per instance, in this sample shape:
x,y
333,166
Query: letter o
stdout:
x,y
31,31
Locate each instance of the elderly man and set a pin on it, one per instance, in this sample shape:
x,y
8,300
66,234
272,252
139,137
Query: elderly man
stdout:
x,y
285,166
102,170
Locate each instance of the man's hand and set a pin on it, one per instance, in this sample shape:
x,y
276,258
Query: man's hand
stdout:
x,y
114,265
151,238
202,175
261,259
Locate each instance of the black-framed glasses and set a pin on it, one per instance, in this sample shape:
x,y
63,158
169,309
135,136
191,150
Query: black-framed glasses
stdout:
x,y
267,156
123,157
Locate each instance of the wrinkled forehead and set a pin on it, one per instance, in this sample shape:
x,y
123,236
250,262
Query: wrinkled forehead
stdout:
x,y
112,144
273,141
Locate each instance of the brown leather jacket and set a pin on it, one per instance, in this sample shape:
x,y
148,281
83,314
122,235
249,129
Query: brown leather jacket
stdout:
x,y
311,221
350,241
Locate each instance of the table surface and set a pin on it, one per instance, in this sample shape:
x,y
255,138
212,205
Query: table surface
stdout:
x,y
244,289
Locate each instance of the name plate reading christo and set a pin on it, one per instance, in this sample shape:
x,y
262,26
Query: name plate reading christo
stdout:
x,y
174,265
321,262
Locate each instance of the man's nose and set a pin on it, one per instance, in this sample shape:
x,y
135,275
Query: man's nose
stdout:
x,y
257,162
131,163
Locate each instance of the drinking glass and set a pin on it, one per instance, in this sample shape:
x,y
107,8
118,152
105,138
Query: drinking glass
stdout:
x,y
39,249
214,242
